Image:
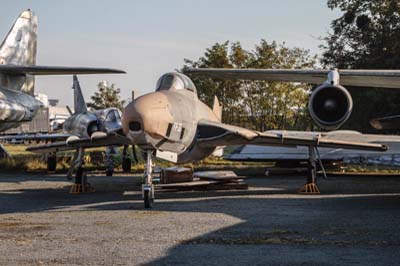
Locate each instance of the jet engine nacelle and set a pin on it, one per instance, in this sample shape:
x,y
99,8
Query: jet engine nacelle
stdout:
x,y
330,106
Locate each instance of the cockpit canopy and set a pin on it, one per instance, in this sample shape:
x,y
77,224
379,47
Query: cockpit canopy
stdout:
x,y
175,81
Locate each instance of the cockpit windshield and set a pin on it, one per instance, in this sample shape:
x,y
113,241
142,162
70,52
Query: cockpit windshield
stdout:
x,y
175,81
113,116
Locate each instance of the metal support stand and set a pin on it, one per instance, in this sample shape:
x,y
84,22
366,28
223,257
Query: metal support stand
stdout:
x,y
147,187
311,186
80,183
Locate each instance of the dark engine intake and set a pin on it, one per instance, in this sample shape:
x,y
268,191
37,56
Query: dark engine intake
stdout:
x,y
330,106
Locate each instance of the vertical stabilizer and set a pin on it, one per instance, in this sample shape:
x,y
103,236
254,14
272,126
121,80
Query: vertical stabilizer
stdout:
x,y
19,48
79,101
217,108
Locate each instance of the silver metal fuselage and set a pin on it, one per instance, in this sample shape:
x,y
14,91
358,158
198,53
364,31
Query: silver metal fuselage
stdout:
x,y
16,107
85,124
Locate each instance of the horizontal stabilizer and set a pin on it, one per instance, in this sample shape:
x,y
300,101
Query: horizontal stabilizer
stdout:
x,y
55,70
359,78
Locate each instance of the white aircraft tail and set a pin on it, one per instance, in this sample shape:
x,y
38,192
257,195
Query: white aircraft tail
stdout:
x,y
19,49
19,46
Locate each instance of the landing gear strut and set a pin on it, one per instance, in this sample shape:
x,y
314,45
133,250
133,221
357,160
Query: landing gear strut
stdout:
x,y
147,187
311,186
80,183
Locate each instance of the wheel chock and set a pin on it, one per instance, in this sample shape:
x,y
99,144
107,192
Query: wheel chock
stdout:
x,y
309,189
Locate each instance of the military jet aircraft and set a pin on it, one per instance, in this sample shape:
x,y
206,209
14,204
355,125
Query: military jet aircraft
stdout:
x,y
85,129
173,124
18,68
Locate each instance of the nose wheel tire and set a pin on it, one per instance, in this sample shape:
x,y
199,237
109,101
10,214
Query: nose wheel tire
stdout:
x,y
148,199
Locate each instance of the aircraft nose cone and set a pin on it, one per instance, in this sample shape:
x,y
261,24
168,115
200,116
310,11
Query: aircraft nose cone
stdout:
x,y
132,117
147,115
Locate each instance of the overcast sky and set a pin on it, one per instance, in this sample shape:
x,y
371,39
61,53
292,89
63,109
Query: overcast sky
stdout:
x,y
149,38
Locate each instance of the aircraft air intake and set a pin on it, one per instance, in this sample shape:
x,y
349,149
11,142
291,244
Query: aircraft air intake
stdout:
x,y
330,106
92,127
135,126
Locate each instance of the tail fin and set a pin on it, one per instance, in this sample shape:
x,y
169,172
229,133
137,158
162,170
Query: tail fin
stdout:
x,y
19,49
79,101
217,108
19,46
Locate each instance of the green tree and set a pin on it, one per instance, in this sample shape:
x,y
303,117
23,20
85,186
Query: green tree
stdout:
x,y
256,104
226,90
106,96
365,36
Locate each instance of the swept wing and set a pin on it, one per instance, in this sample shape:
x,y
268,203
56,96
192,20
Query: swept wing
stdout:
x,y
360,78
212,134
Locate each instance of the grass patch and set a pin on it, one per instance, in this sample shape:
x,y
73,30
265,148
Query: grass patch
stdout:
x,y
23,160
370,169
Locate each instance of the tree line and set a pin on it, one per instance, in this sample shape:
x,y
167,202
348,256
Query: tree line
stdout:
x,y
260,105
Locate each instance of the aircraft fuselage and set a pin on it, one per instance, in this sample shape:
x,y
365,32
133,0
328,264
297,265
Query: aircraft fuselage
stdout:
x,y
167,120
16,107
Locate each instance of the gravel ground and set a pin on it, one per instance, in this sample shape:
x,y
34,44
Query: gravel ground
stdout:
x,y
355,221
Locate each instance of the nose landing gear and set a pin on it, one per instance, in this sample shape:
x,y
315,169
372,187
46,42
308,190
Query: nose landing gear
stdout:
x,y
147,187
80,183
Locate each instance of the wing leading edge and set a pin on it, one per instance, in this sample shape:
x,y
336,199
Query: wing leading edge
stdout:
x,y
217,134
359,78
97,141
55,70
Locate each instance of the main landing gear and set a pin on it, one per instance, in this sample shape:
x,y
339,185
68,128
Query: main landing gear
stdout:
x,y
80,183
51,162
311,187
147,187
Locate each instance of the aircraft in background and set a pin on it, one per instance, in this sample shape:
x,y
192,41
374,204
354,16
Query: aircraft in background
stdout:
x,y
18,68
386,123
85,129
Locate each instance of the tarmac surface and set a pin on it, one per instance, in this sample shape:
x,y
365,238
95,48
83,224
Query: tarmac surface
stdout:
x,y
355,221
